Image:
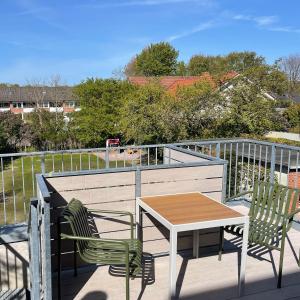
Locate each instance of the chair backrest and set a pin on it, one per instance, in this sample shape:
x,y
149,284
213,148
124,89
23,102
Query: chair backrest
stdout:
x,y
77,216
271,203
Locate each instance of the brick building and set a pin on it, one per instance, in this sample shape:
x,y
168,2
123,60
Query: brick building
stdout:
x,y
25,99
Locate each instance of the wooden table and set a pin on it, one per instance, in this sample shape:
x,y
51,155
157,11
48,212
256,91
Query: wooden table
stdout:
x,y
191,211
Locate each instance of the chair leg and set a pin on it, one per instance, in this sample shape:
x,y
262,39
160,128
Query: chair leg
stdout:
x,y
281,261
75,259
127,281
58,262
221,242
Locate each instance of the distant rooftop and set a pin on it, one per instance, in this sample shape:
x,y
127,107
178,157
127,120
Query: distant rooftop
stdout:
x,y
171,83
33,94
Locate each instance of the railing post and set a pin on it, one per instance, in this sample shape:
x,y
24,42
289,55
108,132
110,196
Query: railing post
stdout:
x,y
224,185
106,158
43,164
138,187
218,150
34,250
138,184
44,203
273,163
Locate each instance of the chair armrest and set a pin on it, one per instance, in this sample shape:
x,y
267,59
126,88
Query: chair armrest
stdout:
x,y
291,215
237,196
107,243
116,212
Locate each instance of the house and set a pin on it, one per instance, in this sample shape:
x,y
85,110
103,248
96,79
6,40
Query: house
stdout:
x,y
24,99
229,83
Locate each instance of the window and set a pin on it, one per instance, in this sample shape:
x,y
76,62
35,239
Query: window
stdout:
x,y
17,104
4,105
70,104
45,104
29,104
55,104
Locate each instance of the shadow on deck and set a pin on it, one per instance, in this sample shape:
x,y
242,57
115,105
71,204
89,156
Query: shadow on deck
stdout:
x,y
204,278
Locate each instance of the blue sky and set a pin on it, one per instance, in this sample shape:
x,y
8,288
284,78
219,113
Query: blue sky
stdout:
x,y
94,38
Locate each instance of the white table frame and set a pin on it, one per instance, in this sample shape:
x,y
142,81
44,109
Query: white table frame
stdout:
x,y
175,229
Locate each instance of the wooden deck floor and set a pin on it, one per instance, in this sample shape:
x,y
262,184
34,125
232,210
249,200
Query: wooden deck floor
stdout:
x,y
204,278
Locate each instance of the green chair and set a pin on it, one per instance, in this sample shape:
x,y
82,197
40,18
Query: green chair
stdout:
x,y
95,250
271,213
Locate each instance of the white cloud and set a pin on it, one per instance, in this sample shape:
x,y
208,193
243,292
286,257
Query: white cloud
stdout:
x,y
199,28
260,21
266,22
206,3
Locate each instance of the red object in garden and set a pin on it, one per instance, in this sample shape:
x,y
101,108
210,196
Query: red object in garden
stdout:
x,y
112,143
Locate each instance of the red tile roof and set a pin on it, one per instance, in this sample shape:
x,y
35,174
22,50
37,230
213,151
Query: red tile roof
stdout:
x,y
228,76
171,83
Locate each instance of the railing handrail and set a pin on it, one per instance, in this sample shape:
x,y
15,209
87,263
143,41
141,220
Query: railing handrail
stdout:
x,y
132,169
185,143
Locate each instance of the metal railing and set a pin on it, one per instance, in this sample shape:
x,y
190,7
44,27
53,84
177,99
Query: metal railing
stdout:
x,y
252,160
244,161
42,266
248,160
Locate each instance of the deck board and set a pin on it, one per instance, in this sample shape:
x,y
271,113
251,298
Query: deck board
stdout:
x,y
204,278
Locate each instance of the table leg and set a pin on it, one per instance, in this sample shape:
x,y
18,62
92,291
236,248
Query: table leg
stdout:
x,y
196,243
139,221
172,266
244,256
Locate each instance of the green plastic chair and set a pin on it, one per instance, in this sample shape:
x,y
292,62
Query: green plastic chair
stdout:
x,y
95,250
271,213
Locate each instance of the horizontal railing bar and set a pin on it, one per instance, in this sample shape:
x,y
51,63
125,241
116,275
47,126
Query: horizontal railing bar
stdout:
x,y
134,168
193,153
202,142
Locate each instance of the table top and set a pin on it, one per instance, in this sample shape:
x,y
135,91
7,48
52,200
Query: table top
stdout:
x,y
189,208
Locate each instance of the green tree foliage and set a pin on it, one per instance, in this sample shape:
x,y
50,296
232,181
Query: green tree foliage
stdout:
x,y
218,65
292,114
152,115
268,78
13,131
181,69
157,60
200,107
206,63
49,130
140,115
246,111
242,61
99,117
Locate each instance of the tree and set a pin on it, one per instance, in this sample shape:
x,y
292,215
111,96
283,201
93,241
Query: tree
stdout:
x,y
156,60
241,61
153,115
140,115
49,130
99,117
206,63
247,111
131,68
291,66
200,107
12,131
292,114
268,78
181,69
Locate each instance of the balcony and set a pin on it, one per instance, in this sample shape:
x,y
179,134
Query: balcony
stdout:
x,y
112,179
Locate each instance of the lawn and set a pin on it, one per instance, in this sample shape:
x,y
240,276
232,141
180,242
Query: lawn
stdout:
x,y
19,179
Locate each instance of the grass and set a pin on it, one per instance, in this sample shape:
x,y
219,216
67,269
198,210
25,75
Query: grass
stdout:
x,y
19,179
